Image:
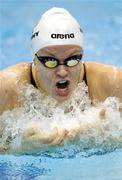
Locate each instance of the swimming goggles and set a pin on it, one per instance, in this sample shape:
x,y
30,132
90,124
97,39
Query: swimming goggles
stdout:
x,y
51,62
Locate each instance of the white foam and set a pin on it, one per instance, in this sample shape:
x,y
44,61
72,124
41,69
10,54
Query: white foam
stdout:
x,y
98,126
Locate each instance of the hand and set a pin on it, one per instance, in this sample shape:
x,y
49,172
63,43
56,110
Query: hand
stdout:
x,y
102,114
39,138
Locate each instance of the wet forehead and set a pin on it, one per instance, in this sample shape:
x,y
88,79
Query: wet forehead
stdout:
x,y
60,51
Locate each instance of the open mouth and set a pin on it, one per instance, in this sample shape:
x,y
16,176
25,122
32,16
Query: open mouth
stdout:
x,y
62,84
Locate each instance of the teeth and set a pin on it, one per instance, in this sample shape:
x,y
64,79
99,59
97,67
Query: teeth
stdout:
x,y
62,81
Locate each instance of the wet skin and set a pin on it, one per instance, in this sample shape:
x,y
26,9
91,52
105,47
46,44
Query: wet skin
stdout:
x,y
46,79
102,80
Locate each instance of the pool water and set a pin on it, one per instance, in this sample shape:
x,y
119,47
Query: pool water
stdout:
x,y
96,153
99,167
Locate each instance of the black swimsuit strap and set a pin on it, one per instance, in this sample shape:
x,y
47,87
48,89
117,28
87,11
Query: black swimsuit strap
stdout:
x,y
85,78
32,79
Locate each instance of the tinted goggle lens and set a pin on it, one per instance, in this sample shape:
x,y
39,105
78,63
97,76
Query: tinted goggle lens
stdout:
x,y
72,62
50,63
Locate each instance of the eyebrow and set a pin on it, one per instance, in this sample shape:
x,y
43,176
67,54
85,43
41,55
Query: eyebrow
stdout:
x,y
54,56
66,59
47,50
75,53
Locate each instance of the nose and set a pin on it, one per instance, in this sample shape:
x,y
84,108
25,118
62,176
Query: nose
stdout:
x,y
62,71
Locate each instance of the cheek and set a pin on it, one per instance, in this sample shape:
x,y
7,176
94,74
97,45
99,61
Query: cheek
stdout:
x,y
46,77
75,73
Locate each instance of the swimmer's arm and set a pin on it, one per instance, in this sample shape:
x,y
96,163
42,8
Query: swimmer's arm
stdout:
x,y
8,96
10,80
103,81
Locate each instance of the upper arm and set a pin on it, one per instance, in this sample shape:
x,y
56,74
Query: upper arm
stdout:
x,y
11,79
8,94
103,81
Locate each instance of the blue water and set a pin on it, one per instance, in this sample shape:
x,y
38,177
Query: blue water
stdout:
x,y
103,167
101,22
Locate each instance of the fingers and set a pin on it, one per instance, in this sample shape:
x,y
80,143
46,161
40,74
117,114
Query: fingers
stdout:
x,y
73,133
39,138
102,114
47,138
59,139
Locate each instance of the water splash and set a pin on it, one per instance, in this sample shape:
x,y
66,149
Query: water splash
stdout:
x,y
62,130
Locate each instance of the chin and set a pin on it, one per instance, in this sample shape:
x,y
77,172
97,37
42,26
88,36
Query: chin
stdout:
x,y
62,98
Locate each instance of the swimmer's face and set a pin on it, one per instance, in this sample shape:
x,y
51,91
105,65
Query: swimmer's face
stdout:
x,y
60,81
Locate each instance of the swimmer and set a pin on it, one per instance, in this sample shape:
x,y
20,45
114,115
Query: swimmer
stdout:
x,y
57,67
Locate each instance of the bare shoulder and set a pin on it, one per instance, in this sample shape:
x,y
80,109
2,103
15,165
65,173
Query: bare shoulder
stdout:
x,y
103,80
11,80
93,66
103,69
18,71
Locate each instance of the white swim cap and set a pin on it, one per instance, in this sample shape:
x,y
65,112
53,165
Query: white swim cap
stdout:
x,y
56,27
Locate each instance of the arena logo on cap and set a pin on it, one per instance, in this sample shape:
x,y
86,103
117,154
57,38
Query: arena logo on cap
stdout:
x,y
62,36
